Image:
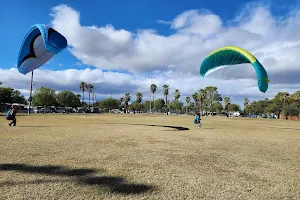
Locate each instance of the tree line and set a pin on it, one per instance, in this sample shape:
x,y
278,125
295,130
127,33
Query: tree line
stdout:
x,y
205,100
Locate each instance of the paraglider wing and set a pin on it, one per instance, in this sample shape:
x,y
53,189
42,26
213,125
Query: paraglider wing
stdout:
x,y
232,55
39,45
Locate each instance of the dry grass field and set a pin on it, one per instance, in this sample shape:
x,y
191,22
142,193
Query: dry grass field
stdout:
x,y
148,157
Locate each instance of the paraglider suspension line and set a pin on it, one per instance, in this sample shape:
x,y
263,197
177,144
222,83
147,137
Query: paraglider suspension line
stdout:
x,y
30,96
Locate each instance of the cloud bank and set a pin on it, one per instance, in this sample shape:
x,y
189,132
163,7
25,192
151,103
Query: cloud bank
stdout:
x,y
175,59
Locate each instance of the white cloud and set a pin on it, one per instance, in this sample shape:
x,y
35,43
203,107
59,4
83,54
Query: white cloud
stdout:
x,y
78,63
198,32
117,84
175,59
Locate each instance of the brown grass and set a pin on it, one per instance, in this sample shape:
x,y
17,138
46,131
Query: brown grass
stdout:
x,y
122,157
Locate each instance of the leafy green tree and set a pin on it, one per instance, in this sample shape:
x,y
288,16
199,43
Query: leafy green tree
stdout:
x,y
145,106
291,110
176,105
110,103
159,104
217,107
280,100
234,107
9,95
6,95
68,99
296,98
212,96
18,98
44,97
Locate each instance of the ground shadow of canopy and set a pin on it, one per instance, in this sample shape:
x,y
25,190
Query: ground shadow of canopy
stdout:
x,y
284,128
83,176
179,128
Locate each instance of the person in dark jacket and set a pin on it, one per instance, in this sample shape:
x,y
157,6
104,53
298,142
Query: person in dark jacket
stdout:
x,y
11,115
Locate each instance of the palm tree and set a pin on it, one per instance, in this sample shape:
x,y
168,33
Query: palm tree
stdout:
x,y
188,101
176,95
201,95
285,98
82,87
139,98
166,93
153,88
121,101
90,89
127,99
246,101
1,83
226,102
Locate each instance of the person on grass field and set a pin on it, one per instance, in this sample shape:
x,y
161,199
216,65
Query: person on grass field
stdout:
x,y
197,120
11,115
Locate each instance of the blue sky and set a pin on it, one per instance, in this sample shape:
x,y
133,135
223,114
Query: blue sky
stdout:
x,y
133,16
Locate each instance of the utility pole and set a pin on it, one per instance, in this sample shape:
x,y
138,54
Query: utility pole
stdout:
x,y
30,96
151,77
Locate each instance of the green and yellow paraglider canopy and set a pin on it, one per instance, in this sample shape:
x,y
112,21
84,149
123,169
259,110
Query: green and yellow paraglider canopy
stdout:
x,y
232,55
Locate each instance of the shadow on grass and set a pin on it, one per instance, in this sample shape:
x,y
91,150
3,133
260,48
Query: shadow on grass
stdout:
x,y
178,128
82,176
37,126
284,128
38,181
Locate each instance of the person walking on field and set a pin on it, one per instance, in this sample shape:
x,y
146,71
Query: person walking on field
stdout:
x,y
197,120
11,115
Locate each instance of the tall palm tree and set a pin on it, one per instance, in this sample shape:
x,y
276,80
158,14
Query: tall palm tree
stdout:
x,y
176,94
246,101
285,98
82,87
226,102
127,99
166,93
188,101
121,101
153,88
195,97
139,98
201,95
90,89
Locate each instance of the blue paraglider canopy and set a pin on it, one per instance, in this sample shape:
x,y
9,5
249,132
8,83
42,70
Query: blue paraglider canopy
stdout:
x,y
39,45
